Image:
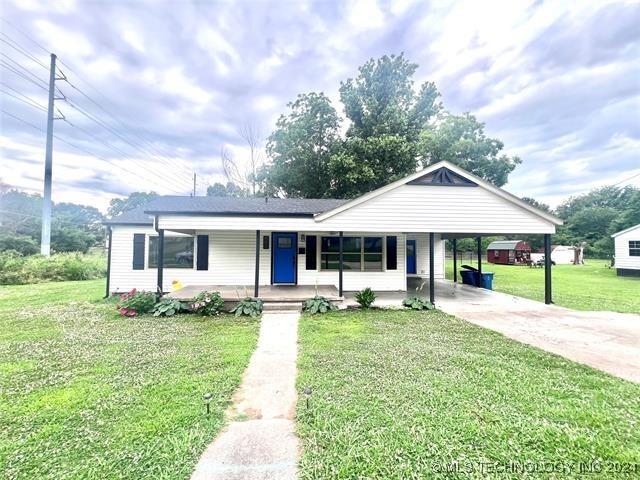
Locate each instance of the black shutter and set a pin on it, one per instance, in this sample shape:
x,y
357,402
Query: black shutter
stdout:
x,y
202,262
312,246
138,251
392,253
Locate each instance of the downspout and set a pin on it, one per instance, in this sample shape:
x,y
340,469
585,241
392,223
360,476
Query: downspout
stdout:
x,y
110,236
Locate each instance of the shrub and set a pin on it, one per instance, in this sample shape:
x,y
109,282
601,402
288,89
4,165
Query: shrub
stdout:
x,y
248,306
365,297
20,243
318,304
168,307
135,302
208,303
18,269
417,303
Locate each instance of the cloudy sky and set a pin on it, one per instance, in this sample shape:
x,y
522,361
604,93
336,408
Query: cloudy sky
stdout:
x,y
156,89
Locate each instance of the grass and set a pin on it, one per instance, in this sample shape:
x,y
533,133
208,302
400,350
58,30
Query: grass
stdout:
x,y
85,393
583,287
400,394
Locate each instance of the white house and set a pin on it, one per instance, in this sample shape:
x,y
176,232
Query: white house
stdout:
x,y
376,240
627,251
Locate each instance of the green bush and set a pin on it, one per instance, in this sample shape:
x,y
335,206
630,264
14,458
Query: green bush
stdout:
x,y
135,302
365,297
168,307
20,243
417,303
208,303
19,269
318,304
248,306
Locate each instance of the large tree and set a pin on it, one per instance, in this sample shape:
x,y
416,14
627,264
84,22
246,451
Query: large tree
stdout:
x,y
229,190
300,148
135,199
460,139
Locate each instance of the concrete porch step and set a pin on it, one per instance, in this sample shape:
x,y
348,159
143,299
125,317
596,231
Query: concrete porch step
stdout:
x,y
282,306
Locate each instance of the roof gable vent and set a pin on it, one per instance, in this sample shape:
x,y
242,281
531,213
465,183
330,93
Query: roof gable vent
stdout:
x,y
443,176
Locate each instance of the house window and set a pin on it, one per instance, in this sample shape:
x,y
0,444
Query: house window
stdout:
x,y
359,253
178,252
634,248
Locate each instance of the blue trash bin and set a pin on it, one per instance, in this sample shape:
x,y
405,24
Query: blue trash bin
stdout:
x,y
468,277
487,280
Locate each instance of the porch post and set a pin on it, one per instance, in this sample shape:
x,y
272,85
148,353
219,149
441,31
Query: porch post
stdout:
x,y
454,244
257,279
547,269
110,237
479,240
160,261
432,285
340,265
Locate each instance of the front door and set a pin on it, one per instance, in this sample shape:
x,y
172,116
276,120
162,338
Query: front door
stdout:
x,y
284,257
411,257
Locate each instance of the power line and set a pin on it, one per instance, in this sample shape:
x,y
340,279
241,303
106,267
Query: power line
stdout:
x,y
153,149
136,174
28,100
30,38
16,46
34,78
627,179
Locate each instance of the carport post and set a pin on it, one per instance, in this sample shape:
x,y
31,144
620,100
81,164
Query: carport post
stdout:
x,y
547,269
257,279
432,285
160,261
454,244
479,240
340,265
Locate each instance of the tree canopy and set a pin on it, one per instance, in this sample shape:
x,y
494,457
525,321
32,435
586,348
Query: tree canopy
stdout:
x,y
393,128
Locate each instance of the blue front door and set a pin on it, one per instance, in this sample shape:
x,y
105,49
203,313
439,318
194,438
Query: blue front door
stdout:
x,y
285,246
411,256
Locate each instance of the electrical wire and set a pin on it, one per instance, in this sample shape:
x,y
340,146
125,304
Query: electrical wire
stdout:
x,y
135,174
28,100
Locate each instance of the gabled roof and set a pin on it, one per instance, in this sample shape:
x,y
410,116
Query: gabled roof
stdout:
x,y
427,171
625,230
135,216
303,207
503,245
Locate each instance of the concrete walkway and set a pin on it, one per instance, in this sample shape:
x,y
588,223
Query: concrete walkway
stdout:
x,y
260,442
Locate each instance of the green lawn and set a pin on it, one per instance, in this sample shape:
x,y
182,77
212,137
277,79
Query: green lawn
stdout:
x,y
400,394
581,287
85,393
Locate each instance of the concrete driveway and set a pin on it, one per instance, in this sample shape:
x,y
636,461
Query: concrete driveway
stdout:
x,y
604,340
607,341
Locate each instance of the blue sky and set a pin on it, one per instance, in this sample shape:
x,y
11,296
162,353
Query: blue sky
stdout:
x,y
558,82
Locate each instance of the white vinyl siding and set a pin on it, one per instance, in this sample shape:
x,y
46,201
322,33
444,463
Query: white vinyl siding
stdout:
x,y
623,259
232,262
441,209
422,254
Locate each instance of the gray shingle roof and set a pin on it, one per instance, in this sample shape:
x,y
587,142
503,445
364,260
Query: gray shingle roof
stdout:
x,y
245,206
503,245
131,217
222,206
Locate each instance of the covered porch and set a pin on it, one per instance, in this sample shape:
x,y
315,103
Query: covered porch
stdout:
x,y
267,293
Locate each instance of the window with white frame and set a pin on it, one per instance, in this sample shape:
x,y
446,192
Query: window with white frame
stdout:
x,y
358,253
634,248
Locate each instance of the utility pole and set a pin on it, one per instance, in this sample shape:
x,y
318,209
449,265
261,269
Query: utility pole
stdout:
x,y
45,241
194,184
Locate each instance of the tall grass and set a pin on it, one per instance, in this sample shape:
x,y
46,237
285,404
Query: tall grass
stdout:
x,y
16,269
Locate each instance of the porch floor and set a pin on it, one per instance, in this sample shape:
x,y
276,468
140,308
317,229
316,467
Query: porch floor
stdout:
x,y
269,293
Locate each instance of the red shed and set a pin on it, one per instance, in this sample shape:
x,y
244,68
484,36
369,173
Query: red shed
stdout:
x,y
508,252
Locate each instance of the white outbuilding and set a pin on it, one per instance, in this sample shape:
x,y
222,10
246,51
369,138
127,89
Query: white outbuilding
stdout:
x,y
627,251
